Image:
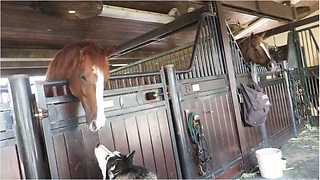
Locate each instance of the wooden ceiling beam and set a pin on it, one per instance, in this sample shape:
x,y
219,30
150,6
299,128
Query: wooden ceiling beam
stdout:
x,y
25,63
27,53
30,71
48,54
269,9
289,26
161,32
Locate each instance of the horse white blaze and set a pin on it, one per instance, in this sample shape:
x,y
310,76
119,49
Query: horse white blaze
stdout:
x,y
265,49
101,119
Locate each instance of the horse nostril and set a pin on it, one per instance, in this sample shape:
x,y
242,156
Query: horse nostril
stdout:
x,y
93,125
271,65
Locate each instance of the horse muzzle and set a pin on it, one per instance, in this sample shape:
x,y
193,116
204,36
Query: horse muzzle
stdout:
x,y
272,66
95,125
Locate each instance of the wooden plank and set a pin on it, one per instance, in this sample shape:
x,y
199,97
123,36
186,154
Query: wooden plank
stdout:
x,y
230,129
276,10
157,145
161,32
61,156
146,146
269,9
90,141
106,136
221,130
24,64
32,72
290,26
9,167
209,128
120,137
133,139
28,53
76,157
167,145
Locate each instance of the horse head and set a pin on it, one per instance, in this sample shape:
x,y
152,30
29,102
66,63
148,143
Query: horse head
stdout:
x,y
86,67
256,51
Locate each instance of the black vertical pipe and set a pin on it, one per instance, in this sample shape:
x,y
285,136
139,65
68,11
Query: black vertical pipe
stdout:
x,y
285,76
225,56
264,131
25,127
179,130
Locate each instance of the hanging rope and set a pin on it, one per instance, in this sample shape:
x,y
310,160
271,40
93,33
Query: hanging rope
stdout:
x,y
195,130
296,94
275,44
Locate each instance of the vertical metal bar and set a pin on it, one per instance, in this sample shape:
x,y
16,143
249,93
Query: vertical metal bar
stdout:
x,y
204,50
171,123
286,104
209,47
312,48
279,107
180,131
26,130
302,69
303,37
227,58
218,59
264,131
213,50
306,48
46,131
219,46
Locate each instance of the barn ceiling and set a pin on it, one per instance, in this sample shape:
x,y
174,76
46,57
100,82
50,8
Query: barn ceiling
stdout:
x,y
33,31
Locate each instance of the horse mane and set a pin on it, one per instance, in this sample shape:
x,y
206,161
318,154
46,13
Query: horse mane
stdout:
x,y
66,59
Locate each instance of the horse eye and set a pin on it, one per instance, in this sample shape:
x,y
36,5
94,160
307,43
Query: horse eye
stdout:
x,y
83,77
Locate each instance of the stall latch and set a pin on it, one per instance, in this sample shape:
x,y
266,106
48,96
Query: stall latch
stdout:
x,y
42,113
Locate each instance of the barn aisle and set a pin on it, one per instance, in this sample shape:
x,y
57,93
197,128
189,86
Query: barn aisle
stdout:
x,y
302,155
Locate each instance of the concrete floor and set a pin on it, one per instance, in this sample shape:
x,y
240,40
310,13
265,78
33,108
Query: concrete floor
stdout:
x,y
302,155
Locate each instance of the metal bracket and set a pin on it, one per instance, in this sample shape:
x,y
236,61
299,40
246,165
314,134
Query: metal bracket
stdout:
x,y
41,113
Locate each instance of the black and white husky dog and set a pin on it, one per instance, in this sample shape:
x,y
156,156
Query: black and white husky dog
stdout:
x,y
119,166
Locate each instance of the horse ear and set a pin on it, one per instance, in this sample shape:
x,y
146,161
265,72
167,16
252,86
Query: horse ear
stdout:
x,y
262,34
109,50
251,35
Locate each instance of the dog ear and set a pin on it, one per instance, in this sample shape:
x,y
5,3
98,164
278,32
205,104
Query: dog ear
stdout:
x,y
131,155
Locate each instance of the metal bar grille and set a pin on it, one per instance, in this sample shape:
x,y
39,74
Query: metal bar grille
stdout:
x,y
308,53
180,57
199,59
206,57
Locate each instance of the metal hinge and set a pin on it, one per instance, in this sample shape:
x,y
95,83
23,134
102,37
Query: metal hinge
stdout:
x,y
42,113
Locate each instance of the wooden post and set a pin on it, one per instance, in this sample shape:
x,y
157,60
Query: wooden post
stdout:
x,y
232,81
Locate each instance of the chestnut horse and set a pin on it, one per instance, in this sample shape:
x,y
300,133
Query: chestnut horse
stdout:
x,y
86,67
254,50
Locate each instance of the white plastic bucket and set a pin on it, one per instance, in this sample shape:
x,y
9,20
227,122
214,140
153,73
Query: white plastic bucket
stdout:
x,y
270,163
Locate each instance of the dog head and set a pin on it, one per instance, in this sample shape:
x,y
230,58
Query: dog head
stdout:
x,y
112,163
